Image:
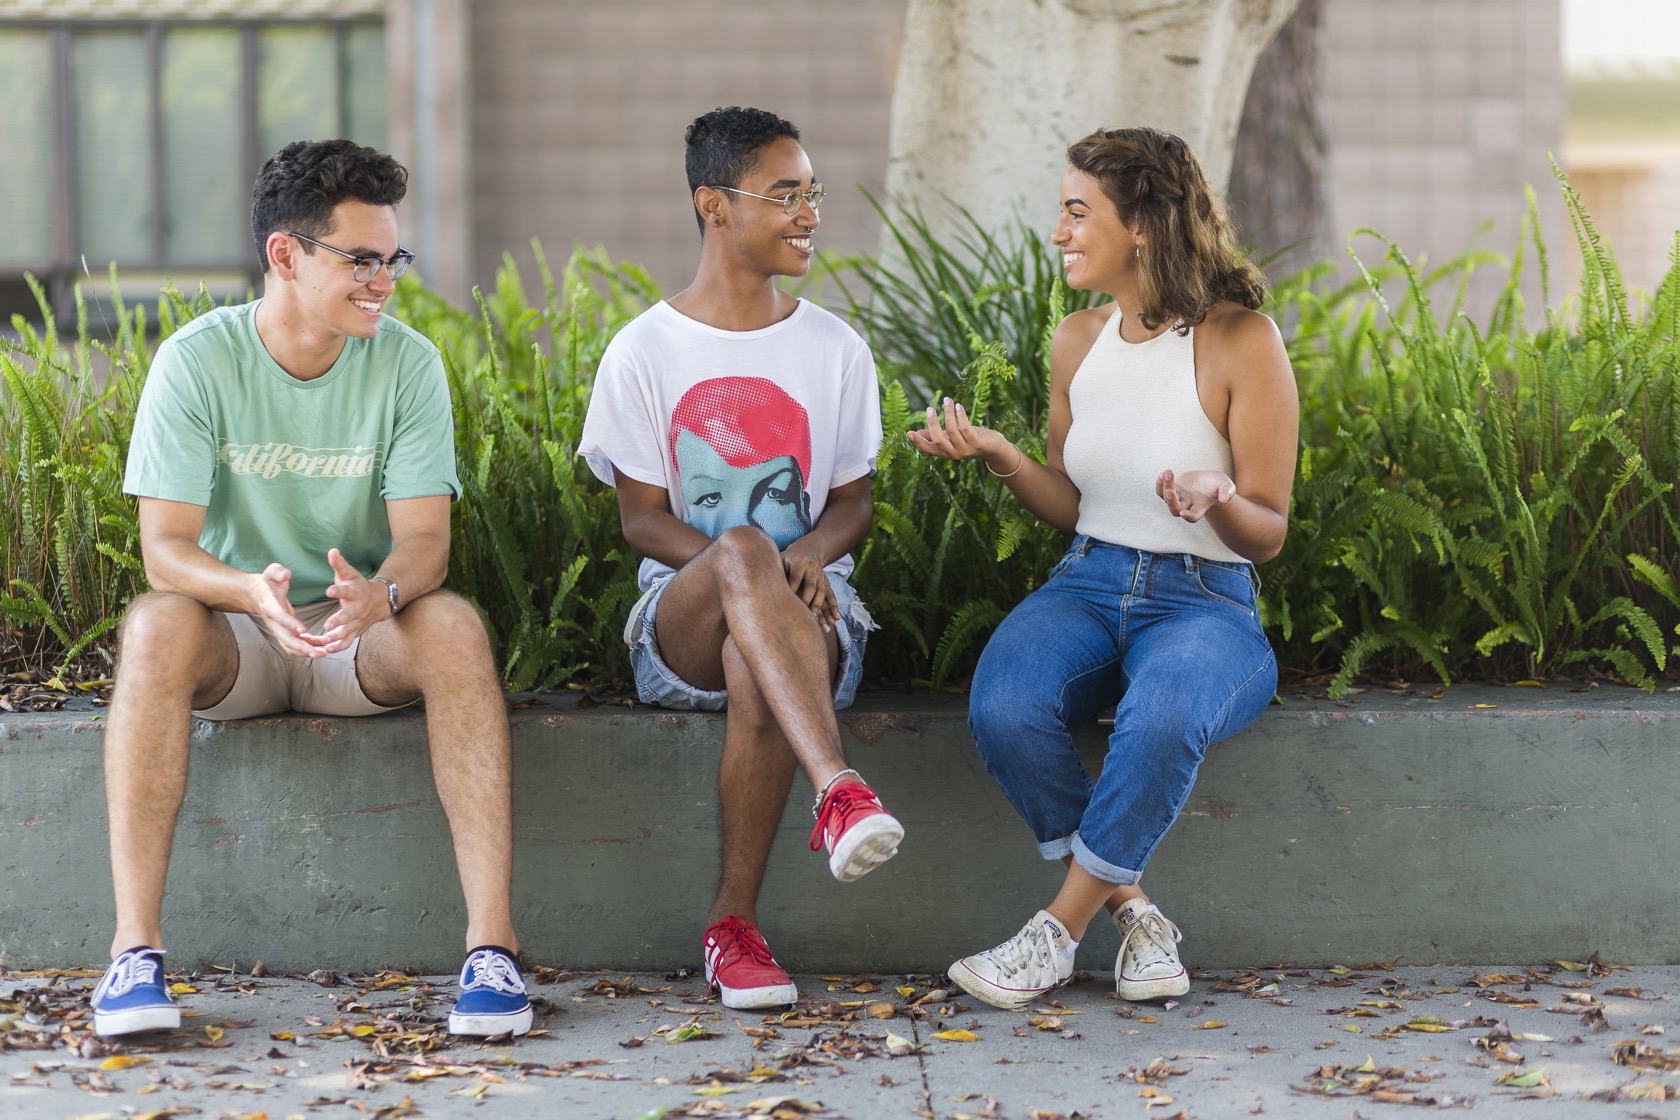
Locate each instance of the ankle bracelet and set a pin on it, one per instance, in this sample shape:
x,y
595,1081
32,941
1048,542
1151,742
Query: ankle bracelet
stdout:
x,y
816,806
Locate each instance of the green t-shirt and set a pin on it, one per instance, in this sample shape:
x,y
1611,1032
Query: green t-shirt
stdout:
x,y
285,468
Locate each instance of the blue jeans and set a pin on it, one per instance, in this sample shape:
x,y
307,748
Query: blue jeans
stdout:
x,y
1174,638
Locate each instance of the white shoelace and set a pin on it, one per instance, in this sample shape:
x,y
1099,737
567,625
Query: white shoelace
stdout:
x,y
1151,939
126,972
1031,945
489,969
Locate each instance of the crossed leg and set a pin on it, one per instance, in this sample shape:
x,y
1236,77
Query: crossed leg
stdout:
x,y
729,620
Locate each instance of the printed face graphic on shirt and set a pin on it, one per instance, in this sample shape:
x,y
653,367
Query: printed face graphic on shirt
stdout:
x,y
742,448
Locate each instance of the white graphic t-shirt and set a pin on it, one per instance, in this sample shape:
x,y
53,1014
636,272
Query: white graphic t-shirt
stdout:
x,y
288,469
739,427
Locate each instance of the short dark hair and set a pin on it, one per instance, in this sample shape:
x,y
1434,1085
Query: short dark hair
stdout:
x,y
299,186
723,147
1189,258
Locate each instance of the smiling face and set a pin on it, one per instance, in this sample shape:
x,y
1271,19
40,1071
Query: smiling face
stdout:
x,y
1099,251
775,243
328,297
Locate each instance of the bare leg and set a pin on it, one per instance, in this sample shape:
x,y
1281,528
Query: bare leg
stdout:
x,y
736,590
437,648
1083,894
754,778
1072,899
176,655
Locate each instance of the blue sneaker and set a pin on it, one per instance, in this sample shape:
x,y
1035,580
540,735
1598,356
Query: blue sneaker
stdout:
x,y
133,996
493,999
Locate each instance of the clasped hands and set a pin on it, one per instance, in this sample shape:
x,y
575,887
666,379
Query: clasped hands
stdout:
x,y
361,603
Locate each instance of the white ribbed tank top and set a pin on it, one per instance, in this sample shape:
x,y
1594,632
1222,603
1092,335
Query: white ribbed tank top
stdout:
x,y
1136,414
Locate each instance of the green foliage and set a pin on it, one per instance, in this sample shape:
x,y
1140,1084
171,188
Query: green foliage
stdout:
x,y
536,538
1495,502
1471,500
69,540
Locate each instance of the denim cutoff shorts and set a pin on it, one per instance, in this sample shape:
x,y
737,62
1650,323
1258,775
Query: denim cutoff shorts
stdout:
x,y
658,683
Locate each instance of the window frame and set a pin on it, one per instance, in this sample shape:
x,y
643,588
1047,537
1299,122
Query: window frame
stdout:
x,y
60,275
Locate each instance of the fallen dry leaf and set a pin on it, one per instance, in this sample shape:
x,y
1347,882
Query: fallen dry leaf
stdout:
x,y
957,1036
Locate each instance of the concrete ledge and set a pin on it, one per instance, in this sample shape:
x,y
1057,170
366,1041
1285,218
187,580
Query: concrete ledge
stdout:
x,y
1389,827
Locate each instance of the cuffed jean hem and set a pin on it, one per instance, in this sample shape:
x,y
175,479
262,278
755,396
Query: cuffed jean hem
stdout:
x,y
1054,851
1100,868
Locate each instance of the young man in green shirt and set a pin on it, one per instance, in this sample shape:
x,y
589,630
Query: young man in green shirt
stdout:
x,y
294,463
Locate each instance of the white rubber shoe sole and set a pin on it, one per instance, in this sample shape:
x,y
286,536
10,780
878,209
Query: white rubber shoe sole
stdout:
x,y
110,1024
1164,987
1010,999
865,846
488,1026
757,999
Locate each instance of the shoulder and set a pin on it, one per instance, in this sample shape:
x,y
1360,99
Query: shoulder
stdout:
x,y
1076,334
220,326
397,338
657,328
1233,328
818,321
1244,350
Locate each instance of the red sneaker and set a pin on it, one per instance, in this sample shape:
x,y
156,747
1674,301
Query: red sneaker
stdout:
x,y
740,967
860,835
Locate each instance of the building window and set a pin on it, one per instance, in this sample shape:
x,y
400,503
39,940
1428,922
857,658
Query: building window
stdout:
x,y
137,141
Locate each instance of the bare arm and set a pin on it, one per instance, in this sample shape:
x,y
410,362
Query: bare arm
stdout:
x,y
1045,490
644,514
417,564
169,533
1249,512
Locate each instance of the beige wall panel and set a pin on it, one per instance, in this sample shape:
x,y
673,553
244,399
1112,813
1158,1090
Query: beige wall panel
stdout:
x,y
580,109
1636,210
1439,114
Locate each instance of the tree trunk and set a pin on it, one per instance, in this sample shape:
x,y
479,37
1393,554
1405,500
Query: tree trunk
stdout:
x,y
1280,178
991,92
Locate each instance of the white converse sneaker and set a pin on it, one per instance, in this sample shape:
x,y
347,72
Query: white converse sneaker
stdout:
x,y
1148,966
1037,960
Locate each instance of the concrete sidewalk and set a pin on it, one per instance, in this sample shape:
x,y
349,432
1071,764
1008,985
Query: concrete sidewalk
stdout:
x,y
1272,1041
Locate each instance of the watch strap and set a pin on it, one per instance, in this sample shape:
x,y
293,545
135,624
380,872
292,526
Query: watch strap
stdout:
x,y
391,594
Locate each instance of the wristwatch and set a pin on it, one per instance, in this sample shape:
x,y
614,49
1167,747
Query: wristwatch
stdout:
x,y
391,592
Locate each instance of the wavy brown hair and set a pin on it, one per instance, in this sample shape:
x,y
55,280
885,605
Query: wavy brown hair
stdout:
x,y
1189,259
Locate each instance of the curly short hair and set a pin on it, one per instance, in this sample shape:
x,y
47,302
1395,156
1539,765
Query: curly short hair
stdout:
x,y
1189,258
723,147
300,185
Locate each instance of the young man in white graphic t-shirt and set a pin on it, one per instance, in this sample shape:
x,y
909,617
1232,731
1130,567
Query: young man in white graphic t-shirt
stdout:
x,y
294,462
741,426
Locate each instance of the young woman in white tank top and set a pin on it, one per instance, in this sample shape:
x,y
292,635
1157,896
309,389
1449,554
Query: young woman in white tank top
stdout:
x,y
1170,456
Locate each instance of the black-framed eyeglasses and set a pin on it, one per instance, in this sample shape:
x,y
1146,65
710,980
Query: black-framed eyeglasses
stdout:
x,y
789,202
364,269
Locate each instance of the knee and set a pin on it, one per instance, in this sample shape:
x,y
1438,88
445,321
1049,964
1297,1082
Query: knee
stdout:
x,y
161,624
746,547
447,626
1005,699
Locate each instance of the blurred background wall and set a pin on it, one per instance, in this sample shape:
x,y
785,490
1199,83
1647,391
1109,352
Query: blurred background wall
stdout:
x,y
130,131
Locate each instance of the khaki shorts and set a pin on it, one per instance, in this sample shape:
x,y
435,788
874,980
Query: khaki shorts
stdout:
x,y
269,681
